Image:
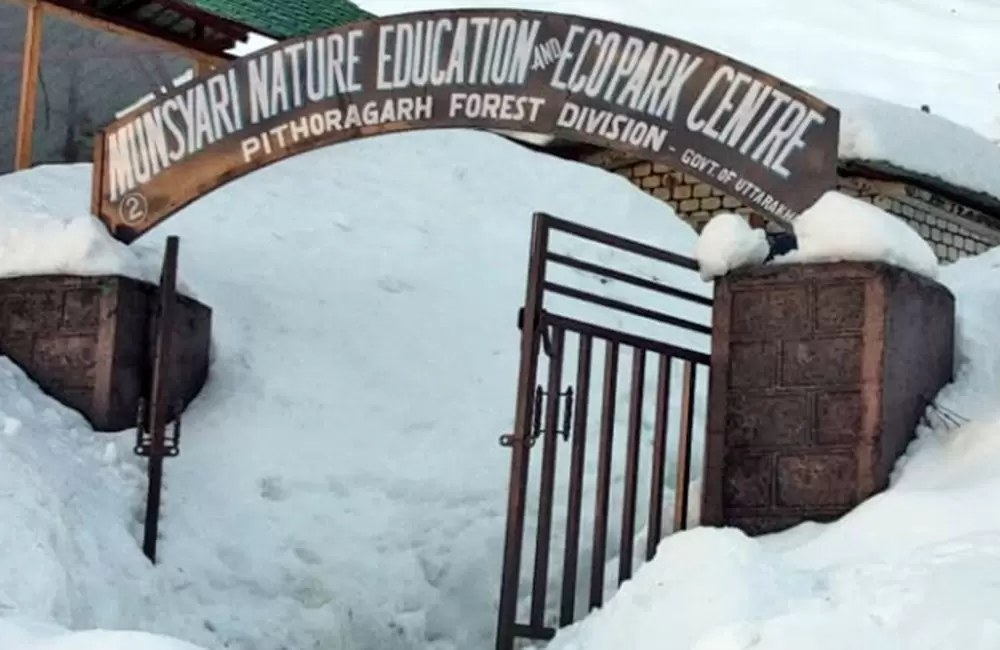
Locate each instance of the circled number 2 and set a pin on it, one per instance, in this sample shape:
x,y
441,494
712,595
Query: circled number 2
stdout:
x,y
133,208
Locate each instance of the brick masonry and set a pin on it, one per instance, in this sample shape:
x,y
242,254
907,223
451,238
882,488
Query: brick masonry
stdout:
x,y
86,341
952,229
815,390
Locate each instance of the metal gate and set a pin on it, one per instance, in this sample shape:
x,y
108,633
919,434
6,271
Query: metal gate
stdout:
x,y
556,417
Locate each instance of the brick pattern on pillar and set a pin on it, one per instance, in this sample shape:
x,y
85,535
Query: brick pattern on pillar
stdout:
x,y
817,388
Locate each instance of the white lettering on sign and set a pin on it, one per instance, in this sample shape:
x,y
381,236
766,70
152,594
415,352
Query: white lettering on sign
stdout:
x,y
446,51
645,77
739,186
277,84
612,126
546,54
604,82
494,106
188,123
318,124
699,162
779,122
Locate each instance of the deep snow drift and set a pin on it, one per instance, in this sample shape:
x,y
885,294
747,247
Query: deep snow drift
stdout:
x,y
340,482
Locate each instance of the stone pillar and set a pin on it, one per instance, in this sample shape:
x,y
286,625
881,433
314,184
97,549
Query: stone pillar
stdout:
x,y
820,374
88,342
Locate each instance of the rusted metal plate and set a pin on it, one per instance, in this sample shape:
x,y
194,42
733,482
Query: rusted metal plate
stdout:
x,y
745,132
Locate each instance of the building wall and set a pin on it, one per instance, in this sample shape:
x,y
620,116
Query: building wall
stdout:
x,y
953,230
86,75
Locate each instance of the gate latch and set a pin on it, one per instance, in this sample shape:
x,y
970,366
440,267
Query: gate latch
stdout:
x,y
537,429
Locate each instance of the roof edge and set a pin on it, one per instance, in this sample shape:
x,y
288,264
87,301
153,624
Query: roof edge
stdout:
x,y
884,170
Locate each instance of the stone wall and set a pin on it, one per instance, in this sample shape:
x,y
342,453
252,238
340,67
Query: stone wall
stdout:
x,y
816,388
953,230
88,342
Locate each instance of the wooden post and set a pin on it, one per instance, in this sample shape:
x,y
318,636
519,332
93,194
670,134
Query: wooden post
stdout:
x,y
203,68
30,61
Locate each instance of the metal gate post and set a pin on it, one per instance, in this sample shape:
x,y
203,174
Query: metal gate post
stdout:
x,y
520,440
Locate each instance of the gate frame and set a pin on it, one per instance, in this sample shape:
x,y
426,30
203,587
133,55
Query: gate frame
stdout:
x,y
533,323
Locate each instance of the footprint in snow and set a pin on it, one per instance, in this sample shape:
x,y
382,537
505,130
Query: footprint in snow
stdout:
x,y
272,488
307,556
394,285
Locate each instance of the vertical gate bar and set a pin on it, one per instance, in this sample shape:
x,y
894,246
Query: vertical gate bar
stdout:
x,y
627,547
604,475
684,451
654,530
543,536
571,553
527,376
160,396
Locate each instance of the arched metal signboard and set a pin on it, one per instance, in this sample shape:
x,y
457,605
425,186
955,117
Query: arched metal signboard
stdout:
x,y
741,130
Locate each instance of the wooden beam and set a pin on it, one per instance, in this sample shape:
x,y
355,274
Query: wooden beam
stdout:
x,y
30,60
136,33
202,69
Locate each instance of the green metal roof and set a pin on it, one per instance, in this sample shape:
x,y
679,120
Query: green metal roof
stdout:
x,y
284,18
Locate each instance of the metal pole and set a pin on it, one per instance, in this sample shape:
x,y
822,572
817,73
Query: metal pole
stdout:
x,y
159,397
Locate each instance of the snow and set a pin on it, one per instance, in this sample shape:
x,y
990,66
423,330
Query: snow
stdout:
x,y
842,228
35,240
340,483
105,640
872,130
837,228
728,242
44,231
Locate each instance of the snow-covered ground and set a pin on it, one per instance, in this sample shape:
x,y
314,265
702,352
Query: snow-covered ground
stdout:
x,y
340,484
